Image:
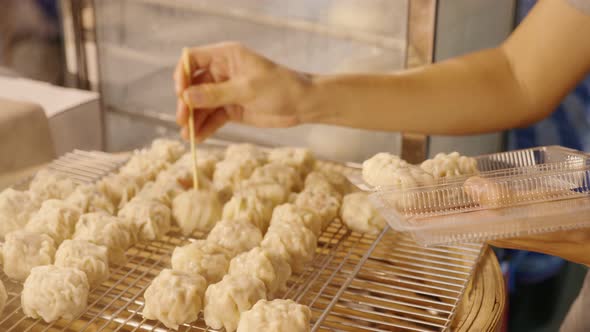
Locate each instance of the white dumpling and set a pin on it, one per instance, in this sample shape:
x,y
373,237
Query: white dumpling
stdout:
x,y
449,165
119,188
284,175
55,218
265,190
23,250
245,151
229,173
167,149
248,207
385,169
151,219
291,241
51,185
235,236
174,298
291,213
380,169
87,257
144,166
301,159
3,297
359,215
227,299
325,203
16,208
338,181
264,265
202,257
87,198
317,181
106,230
196,211
205,163
183,176
276,316
52,292
160,191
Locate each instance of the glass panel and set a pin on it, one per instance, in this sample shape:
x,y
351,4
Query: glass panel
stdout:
x,y
139,42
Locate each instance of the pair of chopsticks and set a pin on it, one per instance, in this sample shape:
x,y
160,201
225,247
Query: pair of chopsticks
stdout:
x,y
186,61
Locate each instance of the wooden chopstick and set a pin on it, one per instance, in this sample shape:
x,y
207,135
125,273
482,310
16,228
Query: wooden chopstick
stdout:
x,y
186,61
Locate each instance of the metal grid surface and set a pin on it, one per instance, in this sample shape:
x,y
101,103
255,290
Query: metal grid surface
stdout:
x,y
355,282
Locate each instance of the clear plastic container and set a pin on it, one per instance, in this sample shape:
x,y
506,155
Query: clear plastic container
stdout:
x,y
516,193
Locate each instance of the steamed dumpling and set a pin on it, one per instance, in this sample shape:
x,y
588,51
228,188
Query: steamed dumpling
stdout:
x,y
167,149
301,159
202,257
144,167
51,185
264,265
291,213
276,316
174,298
119,188
265,190
245,151
16,208
55,218
87,198
229,173
160,191
227,299
293,242
385,169
338,181
90,258
358,214
284,175
249,207
52,292
23,250
205,163
196,211
450,165
325,203
236,236
151,219
317,181
106,230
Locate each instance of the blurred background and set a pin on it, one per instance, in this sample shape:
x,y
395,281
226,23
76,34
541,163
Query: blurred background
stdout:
x,y
123,52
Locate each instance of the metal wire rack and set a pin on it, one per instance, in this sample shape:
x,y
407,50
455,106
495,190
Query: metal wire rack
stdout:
x,y
356,282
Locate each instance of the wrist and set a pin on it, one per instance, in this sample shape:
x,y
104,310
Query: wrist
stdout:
x,y
311,106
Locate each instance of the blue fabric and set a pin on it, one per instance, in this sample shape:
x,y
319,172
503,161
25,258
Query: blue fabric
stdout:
x,y
49,8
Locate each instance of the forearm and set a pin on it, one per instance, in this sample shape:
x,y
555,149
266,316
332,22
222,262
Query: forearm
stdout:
x,y
572,245
472,94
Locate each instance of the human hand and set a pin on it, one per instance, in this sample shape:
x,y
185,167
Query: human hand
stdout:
x,y
238,85
573,245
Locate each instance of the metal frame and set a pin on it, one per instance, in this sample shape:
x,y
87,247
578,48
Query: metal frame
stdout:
x,y
81,57
420,52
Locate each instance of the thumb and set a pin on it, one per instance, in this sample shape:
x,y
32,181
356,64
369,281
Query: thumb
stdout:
x,y
213,95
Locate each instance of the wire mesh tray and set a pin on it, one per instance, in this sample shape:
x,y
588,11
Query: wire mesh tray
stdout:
x,y
355,282
520,192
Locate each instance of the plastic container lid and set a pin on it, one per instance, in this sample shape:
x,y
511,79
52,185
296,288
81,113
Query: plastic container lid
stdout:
x,y
516,193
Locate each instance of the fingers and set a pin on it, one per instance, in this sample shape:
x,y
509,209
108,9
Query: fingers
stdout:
x,y
214,95
207,122
213,122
